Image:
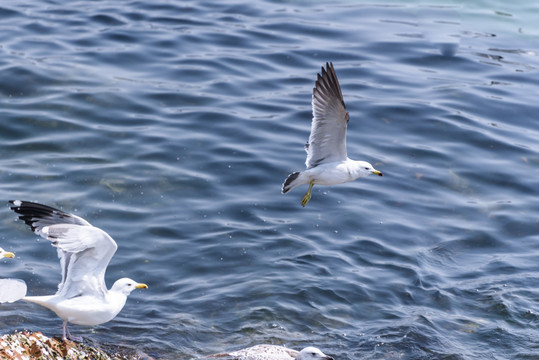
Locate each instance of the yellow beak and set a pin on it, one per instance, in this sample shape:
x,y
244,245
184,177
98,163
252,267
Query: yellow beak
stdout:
x,y
9,254
141,286
376,172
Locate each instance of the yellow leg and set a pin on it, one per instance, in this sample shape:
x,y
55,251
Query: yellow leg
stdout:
x,y
307,196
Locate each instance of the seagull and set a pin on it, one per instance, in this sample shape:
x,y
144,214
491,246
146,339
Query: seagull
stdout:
x,y
327,161
10,289
6,254
85,252
275,352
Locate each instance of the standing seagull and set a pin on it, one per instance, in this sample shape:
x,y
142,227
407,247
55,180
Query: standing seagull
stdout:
x,y
327,162
84,251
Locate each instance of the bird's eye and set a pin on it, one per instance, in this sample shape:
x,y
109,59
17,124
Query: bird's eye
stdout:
x,y
366,168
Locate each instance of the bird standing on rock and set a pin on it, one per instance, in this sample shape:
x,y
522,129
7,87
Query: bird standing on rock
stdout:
x,y
85,252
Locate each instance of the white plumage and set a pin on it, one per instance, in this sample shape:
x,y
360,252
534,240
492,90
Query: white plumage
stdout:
x,y
85,252
327,161
10,289
274,352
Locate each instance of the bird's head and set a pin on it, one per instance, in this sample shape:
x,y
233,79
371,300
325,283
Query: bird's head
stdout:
x,y
312,353
126,285
6,254
367,169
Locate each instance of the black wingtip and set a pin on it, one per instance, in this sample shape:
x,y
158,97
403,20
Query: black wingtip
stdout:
x,y
29,205
329,66
328,83
30,212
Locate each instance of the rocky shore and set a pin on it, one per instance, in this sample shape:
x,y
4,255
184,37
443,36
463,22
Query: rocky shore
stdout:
x,y
26,346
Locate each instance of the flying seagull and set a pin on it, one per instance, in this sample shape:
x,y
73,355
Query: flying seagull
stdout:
x,y
327,161
274,352
84,251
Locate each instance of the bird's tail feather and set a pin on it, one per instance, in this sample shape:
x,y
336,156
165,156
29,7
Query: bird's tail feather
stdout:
x,y
293,180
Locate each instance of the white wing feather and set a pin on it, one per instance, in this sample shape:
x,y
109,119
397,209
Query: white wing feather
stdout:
x,y
327,141
84,250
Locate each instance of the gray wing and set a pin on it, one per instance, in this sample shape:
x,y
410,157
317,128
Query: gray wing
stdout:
x,y
327,142
84,250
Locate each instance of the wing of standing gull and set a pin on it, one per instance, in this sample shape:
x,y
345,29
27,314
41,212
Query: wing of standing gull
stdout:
x,y
85,252
327,142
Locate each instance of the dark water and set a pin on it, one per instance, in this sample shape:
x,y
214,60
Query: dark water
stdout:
x,y
172,124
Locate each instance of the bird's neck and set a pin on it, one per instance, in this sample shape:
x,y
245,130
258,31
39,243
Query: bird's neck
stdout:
x,y
117,298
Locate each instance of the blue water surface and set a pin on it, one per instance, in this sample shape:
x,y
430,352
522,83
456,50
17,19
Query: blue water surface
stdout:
x,y
172,124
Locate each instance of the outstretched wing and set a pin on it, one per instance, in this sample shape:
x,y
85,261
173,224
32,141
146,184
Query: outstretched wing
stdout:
x,y
84,250
327,142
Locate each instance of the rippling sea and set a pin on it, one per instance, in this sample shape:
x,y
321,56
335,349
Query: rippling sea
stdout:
x,y
172,124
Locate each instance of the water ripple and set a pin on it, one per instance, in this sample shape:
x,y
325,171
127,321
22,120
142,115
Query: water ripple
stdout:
x,y
172,126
